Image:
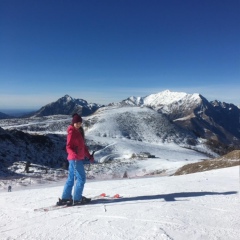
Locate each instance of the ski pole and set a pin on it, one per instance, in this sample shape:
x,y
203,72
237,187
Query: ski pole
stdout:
x,y
89,161
105,147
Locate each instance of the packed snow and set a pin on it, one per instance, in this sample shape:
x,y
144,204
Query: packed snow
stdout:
x,y
196,206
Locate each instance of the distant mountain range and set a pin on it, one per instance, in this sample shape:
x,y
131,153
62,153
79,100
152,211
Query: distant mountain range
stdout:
x,y
155,122
4,116
214,121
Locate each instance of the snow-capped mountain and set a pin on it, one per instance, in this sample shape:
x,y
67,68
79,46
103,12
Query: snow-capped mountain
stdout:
x,y
163,99
67,105
215,121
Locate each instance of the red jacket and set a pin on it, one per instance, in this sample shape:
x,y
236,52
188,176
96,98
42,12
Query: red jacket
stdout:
x,y
76,148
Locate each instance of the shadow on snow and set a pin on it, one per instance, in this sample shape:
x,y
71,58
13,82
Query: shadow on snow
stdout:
x,y
167,197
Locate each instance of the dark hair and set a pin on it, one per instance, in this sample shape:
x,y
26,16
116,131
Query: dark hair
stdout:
x,y
82,132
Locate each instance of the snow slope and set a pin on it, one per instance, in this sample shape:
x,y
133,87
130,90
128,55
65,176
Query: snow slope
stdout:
x,y
132,130
196,206
141,124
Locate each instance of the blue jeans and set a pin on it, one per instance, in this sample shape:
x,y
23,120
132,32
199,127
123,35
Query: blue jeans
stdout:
x,y
80,177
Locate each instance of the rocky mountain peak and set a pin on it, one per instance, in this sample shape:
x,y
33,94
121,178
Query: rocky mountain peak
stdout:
x,y
67,105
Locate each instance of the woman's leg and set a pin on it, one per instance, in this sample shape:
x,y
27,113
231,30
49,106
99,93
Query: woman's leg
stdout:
x,y
80,180
67,191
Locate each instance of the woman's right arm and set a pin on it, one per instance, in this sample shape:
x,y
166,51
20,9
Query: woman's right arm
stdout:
x,y
70,147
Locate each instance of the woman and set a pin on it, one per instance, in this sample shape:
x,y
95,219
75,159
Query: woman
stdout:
x,y
77,151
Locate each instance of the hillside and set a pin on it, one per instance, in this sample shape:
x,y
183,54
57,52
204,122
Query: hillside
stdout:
x,y
227,160
137,123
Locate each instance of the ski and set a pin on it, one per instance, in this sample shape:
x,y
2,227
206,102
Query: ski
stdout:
x,y
49,208
102,196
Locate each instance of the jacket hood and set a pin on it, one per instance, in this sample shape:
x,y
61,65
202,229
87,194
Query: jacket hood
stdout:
x,y
70,128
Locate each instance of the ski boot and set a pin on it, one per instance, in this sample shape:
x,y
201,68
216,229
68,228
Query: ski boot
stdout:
x,y
64,202
83,201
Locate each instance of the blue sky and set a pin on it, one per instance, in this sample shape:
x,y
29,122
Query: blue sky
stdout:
x,y
104,51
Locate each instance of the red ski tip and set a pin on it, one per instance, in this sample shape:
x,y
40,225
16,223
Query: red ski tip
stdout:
x,y
103,195
116,196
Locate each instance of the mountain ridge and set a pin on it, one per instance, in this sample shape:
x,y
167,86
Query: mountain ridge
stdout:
x,y
216,122
67,105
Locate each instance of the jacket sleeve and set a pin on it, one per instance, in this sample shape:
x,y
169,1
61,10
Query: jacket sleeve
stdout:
x,y
70,147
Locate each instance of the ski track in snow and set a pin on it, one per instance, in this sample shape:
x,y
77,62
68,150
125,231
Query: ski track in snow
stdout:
x,y
196,206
